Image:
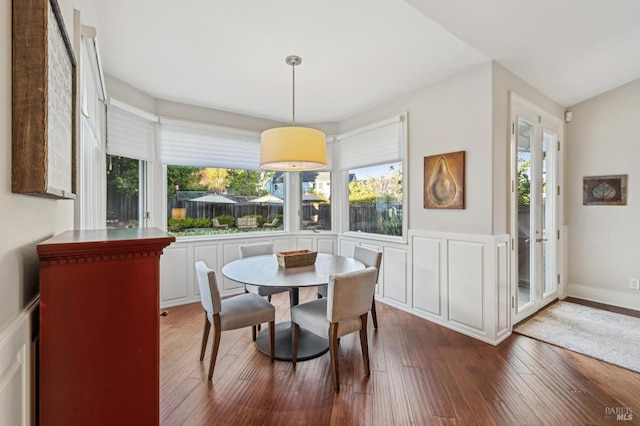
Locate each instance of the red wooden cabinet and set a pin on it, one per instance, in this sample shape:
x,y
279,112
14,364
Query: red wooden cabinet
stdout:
x,y
99,327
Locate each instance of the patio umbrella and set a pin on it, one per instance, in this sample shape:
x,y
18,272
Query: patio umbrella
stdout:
x,y
214,199
267,199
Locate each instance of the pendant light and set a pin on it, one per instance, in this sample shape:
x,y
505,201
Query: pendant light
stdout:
x,y
293,149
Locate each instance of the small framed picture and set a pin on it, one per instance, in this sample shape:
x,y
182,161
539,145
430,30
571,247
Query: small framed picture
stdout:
x,y
604,190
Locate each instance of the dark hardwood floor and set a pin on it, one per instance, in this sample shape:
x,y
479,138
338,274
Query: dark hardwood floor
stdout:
x,y
421,374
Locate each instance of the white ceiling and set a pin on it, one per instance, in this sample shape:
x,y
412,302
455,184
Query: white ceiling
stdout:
x,y
230,54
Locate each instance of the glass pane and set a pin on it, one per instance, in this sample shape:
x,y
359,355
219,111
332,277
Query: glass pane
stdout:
x,y
525,140
316,201
123,192
375,199
209,201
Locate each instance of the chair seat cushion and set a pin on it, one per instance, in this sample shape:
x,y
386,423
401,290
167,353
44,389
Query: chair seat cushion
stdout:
x,y
264,290
312,316
245,310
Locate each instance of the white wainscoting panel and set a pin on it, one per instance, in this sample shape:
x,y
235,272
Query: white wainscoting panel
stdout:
x,y
466,283
425,264
175,283
472,293
304,244
16,371
394,281
312,242
347,247
326,245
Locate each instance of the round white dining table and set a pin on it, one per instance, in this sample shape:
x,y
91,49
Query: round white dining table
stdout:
x,y
263,270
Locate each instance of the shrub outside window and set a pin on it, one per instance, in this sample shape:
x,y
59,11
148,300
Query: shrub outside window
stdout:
x,y
125,192
210,201
375,199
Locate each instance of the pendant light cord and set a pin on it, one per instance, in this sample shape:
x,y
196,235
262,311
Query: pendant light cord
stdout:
x,y
293,106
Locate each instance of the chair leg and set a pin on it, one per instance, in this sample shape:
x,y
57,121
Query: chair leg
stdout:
x,y
272,340
294,343
364,345
205,336
374,316
216,344
333,349
254,333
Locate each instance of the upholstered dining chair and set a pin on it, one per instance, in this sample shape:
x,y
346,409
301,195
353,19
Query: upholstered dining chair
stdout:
x,y
248,250
369,258
343,311
235,312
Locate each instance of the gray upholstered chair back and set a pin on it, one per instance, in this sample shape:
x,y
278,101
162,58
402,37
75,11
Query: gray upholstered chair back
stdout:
x,y
350,294
249,250
368,257
209,291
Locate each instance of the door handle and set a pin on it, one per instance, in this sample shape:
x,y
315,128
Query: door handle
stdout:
x,y
539,240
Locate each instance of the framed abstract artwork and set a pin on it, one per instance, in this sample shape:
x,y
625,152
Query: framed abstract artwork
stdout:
x,y
444,181
604,190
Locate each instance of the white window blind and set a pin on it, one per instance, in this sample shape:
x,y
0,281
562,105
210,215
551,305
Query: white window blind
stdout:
x,y
379,143
130,134
185,143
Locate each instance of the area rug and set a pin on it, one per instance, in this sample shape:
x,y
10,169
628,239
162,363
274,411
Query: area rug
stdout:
x,y
607,336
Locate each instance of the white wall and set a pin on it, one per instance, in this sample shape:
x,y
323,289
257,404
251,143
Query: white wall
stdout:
x,y
454,115
604,248
26,220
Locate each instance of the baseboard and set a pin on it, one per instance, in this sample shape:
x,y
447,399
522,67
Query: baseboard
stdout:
x,y
447,324
607,297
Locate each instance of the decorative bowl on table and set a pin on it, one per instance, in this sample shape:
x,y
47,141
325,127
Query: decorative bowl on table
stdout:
x,y
291,259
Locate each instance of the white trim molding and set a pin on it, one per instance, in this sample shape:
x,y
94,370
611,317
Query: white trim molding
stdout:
x,y
17,366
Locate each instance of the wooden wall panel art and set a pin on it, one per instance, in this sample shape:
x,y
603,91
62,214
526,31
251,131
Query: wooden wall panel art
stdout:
x,y
43,101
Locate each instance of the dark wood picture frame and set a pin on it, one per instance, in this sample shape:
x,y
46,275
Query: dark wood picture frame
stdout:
x,y
444,181
43,102
610,190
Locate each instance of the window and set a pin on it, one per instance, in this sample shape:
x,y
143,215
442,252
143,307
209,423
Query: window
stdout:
x,y
130,151
316,201
375,199
208,201
372,161
214,183
126,194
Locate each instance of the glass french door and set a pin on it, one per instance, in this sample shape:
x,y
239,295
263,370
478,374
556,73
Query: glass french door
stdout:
x,y
535,199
